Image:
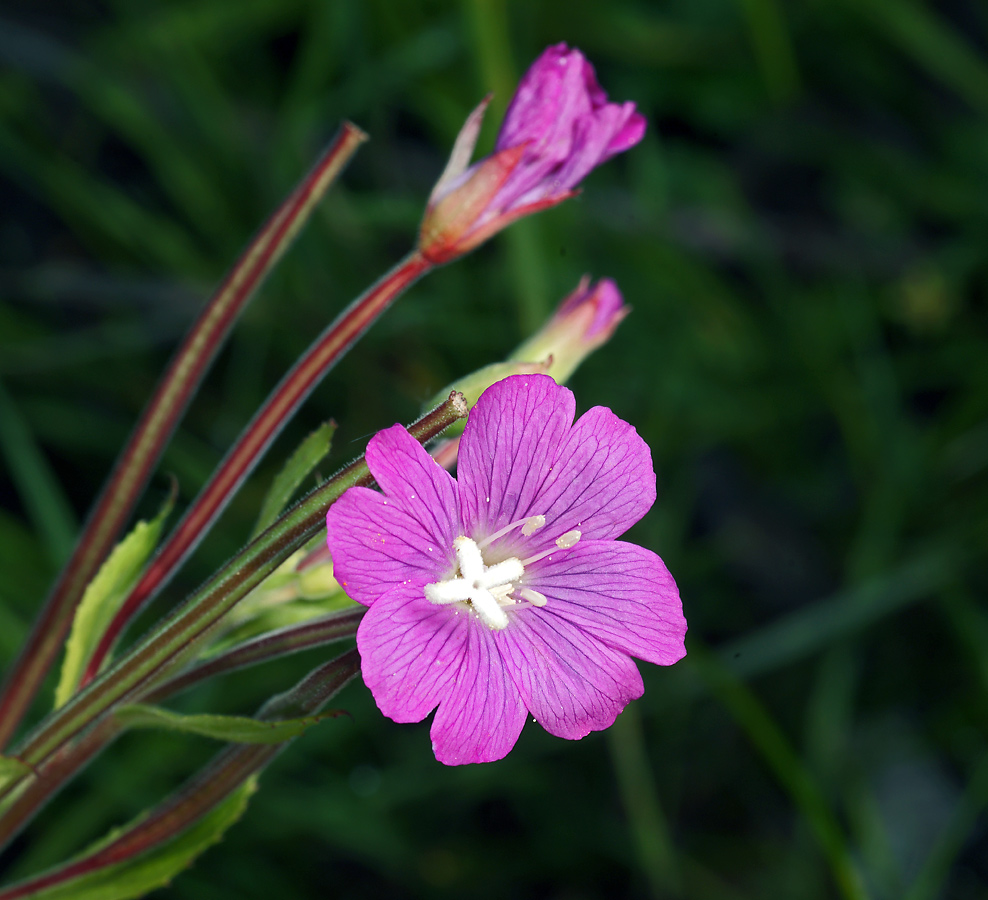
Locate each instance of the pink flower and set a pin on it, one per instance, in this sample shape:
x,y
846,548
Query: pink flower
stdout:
x,y
558,127
505,592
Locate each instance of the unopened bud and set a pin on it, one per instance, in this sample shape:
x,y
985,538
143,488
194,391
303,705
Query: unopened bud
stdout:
x,y
584,321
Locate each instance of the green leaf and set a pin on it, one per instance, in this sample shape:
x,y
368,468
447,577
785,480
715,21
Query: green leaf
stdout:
x,y
103,597
236,729
300,464
10,767
139,876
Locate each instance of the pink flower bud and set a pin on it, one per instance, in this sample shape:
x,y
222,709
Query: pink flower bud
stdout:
x,y
558,127
584,321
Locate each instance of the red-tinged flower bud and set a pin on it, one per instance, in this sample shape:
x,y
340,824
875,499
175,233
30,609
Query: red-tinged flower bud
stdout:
x,y
558,127
584,321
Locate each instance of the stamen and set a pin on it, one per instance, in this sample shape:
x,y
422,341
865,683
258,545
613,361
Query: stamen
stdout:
x,y
569,539
533,597
563,542
529,526
533,524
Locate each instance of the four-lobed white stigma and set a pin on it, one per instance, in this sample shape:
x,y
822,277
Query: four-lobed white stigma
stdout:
x,y
487,590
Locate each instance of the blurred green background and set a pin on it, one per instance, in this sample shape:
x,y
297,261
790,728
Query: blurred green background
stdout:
x,y
802,235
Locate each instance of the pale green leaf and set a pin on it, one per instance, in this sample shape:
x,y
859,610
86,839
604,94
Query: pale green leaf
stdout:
x,y
236,729
154,869
103,597
312,451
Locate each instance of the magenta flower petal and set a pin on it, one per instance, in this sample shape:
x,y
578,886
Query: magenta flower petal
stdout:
x,y
619,593
558,127
594,137
481,717
410,652
595,475
507,449
378,541
628,134
376,545
415,656
571,683
410,477
601,480
562,115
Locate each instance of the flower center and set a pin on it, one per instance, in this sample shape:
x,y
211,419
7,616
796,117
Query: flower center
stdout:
x,y
487,590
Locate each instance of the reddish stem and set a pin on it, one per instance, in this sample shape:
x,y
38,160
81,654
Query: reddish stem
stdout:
x,y
254,441
275,644
142,452
52,775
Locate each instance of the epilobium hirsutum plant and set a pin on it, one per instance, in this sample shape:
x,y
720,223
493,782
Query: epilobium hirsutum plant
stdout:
x,y
503,592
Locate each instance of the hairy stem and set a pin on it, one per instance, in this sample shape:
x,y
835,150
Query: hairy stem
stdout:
x,y
291,639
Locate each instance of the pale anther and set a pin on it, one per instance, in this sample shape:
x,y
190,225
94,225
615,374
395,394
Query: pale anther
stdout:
x,y
533,597
569,539
529,526
563,542
532,524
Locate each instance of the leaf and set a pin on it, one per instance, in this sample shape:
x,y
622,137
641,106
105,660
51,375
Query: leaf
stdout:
x,y
300,464
236,729
139,876
11,767
103,597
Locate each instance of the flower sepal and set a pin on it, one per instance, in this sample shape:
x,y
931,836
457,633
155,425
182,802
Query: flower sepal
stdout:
x,y
450,227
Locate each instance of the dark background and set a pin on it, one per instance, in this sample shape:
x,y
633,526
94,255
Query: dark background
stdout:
x,y
802,235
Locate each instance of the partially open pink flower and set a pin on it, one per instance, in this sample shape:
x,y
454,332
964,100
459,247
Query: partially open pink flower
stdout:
x,y
505,591
558,127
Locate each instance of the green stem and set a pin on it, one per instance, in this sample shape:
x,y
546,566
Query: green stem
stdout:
x,y
52,776
160,417
63,766
639,797
775,749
